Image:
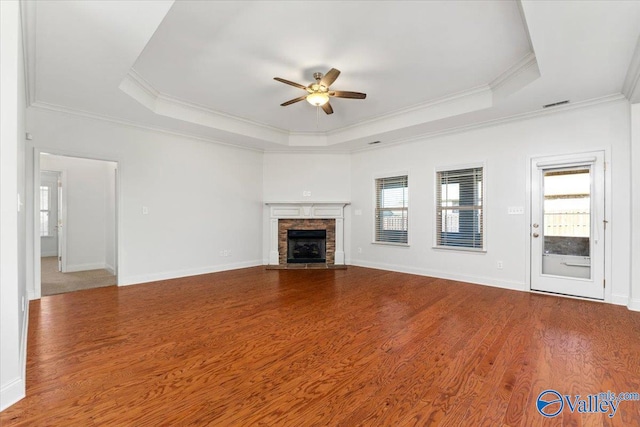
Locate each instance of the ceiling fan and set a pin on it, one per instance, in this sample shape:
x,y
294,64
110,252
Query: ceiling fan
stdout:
x,y
318,93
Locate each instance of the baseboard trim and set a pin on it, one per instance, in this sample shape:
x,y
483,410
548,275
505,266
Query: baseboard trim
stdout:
x,y
48,254
85,267
176,274
12,393
618,299
476,280
16,389
634,304
110,268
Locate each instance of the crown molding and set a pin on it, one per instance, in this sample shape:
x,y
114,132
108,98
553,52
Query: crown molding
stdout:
x,y
417,108
506,78
630,88
473,99
336,150
500,121
39,105
528,61
160,103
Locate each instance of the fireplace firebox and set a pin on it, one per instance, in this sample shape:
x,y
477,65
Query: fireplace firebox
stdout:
x,y
306,246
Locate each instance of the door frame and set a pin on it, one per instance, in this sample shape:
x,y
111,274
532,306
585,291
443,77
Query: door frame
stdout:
x,y
608,298
37,267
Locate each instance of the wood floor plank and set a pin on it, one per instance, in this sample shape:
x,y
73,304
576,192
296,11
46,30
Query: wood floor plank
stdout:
x,y
321,347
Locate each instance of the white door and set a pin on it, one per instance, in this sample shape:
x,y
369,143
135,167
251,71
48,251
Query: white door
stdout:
x,y
568,225
49,213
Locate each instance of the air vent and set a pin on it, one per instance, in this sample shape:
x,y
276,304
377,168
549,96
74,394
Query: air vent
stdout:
x,y
555,104
374,142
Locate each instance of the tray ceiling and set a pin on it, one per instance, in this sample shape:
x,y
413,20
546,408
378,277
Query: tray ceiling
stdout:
x,y
206,68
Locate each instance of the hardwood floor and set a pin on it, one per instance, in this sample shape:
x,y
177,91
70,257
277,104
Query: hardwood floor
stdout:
x,y
321,347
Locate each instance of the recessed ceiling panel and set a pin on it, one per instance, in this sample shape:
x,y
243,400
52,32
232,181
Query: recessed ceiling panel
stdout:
x,y
223,55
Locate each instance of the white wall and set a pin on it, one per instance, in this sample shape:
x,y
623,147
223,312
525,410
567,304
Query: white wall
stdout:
x,y
202,198
287,176
87,201
506,150
634,300
13,313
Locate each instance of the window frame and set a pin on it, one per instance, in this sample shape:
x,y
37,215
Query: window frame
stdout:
x,y
377,209
482,208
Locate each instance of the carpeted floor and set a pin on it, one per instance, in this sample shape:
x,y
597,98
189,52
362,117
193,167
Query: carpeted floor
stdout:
x,y
55,282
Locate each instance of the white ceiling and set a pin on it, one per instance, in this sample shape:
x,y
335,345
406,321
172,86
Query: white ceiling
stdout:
x,y
206,68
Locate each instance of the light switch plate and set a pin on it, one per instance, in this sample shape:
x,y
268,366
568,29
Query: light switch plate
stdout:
x,y
515,210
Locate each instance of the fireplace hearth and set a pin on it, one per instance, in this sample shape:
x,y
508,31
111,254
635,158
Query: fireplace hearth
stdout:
x,y
306,246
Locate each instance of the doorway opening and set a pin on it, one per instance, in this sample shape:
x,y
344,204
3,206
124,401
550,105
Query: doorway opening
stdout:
x,y
568,225
77,203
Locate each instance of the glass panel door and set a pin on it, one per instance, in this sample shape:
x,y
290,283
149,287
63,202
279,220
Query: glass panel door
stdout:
x,y
567,222
567,232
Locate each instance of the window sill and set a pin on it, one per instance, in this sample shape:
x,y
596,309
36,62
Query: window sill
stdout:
x,y
460,249
406,245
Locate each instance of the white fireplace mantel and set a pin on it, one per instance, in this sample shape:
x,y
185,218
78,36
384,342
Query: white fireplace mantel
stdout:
x,y
306,210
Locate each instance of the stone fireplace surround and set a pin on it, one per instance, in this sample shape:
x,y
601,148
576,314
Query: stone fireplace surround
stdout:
x,y
306,216
285,225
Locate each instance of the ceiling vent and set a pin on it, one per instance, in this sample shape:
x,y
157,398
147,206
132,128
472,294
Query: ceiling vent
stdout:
x,y
555,104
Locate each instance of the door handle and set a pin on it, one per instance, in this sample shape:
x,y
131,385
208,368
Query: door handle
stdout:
x,y
535,235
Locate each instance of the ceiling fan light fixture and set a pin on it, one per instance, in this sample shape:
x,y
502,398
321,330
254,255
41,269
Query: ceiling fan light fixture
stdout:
x,y
318,93
317,99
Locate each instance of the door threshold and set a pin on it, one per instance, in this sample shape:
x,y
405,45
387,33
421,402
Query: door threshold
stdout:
x,y
558,294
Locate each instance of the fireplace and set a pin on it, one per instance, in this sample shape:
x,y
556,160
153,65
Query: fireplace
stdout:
x,y
306,228
327,217
306,246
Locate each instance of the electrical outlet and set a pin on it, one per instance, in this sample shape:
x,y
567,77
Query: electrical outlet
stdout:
x,y
145,210
306,193
359,250
515,210
499,265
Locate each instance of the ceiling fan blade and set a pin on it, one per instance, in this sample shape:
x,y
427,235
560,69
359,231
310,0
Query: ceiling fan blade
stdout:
x,y
330,77
347,94
288,82
293,101
327,108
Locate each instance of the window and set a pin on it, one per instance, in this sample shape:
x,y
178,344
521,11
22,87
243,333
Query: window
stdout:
x,y
392,209
459,211
45,199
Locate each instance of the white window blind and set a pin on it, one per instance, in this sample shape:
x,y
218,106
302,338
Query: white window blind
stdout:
x,y
392,209
459,208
